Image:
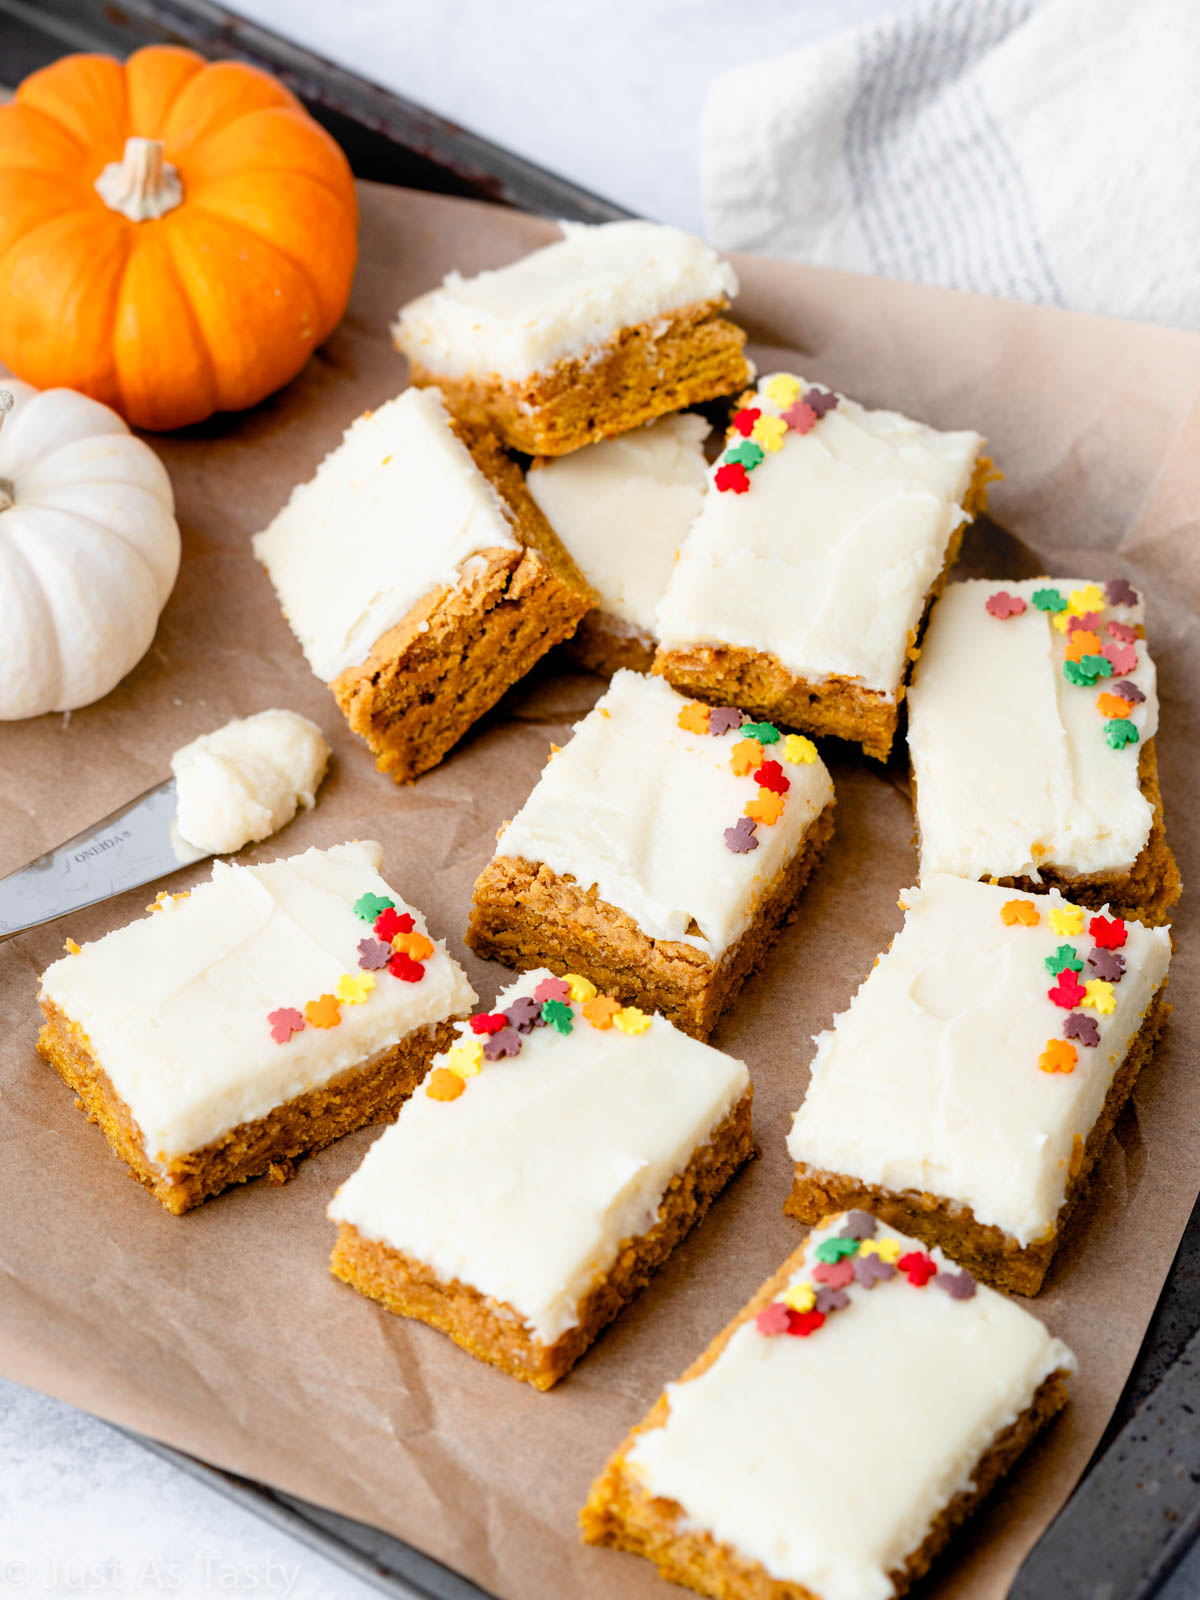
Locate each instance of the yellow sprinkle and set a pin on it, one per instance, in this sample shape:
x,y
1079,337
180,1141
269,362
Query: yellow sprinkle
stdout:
x,y
465,1058
1066,919
782,389
798,749
886,1249
354,987
1099,995
769,432
1089,598
800,1296
630,1020
581,989
1062,620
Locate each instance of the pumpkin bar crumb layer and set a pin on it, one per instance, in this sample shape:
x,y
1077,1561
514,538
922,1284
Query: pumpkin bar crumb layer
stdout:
x,y
259,1017
1031,727
826,531
827,1444
557,1154
660,853
622,508
969,1090
451,587
605,329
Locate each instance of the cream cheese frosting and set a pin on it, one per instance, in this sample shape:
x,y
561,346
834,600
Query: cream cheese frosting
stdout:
x,y
177,1005
561,300
623,507
825,560
828,1458
526,1184
244,781
395,512
931,1080
1013,765
637,806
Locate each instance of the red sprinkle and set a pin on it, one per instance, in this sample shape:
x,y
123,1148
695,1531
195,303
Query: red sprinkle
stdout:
x,y
802,1323
1003,605
800,417
772,1319
1068,992
1108,932
1122,631
744,420
770,776
917,1267
732,476
391,922
405,968
284,1023
489,1022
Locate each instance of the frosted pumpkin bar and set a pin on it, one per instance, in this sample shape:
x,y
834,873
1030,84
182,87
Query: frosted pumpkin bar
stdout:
x,y
826,530
969,1089
1031,728
586,338
555,1156
420,578
263,1015
622,509
827,1444
660,853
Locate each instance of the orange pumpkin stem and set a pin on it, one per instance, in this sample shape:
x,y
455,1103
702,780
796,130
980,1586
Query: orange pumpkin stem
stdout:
x,y
7,401
141,186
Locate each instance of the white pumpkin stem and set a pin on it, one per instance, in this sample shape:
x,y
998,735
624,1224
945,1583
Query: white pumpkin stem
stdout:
x,y
7,401
141,186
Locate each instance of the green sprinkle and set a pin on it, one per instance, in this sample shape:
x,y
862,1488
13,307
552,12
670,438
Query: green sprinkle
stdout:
x,y
368,906
835,1249
1120,732
747,454
557,1013
1084,672
764,732
1048,600
1065,956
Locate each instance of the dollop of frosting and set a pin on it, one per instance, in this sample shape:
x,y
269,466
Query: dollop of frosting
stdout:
x,y
246,780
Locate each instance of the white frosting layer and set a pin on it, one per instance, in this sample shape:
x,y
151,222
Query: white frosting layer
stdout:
x,y
826,560
392,514
623,507
245,781
638,807
828,1458
176,1004
561,300
930,1081
1012,768
525,1186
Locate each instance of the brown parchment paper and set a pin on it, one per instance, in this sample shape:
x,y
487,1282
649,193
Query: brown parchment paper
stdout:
x,y
222,1332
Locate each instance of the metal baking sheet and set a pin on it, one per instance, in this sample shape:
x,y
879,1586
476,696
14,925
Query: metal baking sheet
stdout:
x,y
1130,1531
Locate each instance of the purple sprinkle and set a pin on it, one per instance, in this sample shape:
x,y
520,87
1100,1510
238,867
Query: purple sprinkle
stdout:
x,y
859,1225
1118,592
1085,1029
1107,964
1128,691
723,719
505,1043
872,1269
820,401
373,954
741,838
958,1285
830,1300
524,1014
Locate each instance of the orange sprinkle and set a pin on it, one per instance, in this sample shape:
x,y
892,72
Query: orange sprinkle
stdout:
x,y
444,1084
766,807
693,718
323,1013
414,944
1022,912
71,947
1083,642
601,1011
745,756
1111,705
1058,1056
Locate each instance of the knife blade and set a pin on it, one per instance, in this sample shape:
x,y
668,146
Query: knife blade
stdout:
x,y
135,844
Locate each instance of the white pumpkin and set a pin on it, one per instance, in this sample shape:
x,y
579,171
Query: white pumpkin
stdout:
x,y
89,549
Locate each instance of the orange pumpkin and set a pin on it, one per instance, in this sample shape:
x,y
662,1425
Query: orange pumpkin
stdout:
x,y
176,237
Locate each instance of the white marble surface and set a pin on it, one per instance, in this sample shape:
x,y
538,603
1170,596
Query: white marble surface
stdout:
x,y
607,93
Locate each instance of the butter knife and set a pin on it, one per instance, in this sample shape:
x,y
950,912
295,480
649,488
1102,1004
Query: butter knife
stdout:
x,y
135,844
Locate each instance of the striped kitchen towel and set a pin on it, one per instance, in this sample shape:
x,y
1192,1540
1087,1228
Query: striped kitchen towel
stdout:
x,y
1044,150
